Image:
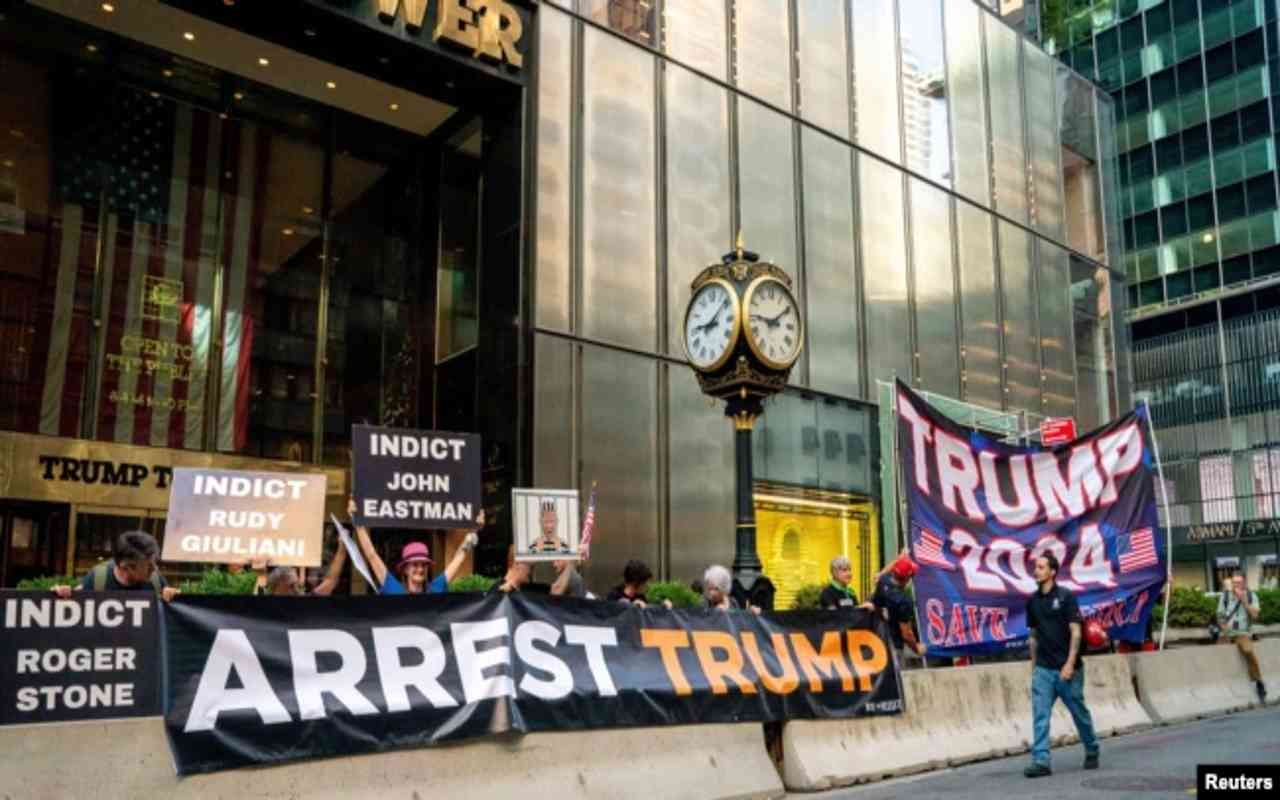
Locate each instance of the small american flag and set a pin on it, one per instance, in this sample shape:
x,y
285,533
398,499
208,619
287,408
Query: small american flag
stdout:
x,y
588,526
1137,550
929,550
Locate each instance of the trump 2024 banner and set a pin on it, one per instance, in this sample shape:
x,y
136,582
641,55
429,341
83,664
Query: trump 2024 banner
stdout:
x,y
273,679
981,511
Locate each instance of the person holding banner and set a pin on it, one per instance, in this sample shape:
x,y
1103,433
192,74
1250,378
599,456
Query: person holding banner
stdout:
x,y
132,568
410,576
890,599
838,595
1054,626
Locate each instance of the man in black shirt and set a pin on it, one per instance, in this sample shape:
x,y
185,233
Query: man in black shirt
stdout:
x,y
837,594
1054,624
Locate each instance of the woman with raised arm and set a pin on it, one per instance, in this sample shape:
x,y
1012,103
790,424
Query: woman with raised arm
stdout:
x,y
411,570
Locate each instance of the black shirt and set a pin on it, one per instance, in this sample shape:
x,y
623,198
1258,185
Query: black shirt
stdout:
x,y
113,585
890,597
833,598
1049,618
619,595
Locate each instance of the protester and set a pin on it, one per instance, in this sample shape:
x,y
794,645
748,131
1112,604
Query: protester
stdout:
x,y
284,581
517,576
411,569
568,582
717,584
131,568
837,594
1237,609
891,600
1054,624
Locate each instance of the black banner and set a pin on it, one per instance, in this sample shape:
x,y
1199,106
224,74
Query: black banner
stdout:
x,y
415,479
92,656
280,679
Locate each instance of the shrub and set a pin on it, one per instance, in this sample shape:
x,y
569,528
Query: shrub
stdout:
x,y
807,596
217,581
680,595
46,582
1190,608
472,583
1269,600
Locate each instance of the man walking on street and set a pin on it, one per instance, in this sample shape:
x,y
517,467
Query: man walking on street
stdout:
x,y
1054,624
1237,609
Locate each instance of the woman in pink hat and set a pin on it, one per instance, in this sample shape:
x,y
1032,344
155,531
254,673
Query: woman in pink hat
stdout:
x,y
410,575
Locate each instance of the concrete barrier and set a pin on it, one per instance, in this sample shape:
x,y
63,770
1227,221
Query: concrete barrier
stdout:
x,y
1269,660
954,715
131,759
1193,682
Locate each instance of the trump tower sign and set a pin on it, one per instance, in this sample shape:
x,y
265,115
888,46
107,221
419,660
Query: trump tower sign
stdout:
x,y
415,479
981,511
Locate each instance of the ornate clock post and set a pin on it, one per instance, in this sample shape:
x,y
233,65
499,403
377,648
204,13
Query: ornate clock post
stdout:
x,y
742,334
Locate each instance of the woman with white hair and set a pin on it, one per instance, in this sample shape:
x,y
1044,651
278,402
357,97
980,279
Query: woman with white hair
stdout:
x,y
717,584
838,594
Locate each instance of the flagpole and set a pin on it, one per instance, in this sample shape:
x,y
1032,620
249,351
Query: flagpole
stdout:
x,y
1168,524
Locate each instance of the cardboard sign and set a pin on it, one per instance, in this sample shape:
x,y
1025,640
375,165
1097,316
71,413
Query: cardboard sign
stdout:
x,y
90,657
1057,430
546,524
229,516
407,478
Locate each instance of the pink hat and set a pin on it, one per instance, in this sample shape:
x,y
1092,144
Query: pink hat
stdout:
x,y
413,551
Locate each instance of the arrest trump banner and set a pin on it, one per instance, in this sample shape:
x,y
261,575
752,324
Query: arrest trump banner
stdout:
x,y
981,511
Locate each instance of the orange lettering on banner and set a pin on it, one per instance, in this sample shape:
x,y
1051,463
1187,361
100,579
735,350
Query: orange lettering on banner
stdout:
x,y
860,643
788,681
827,663
705,643
668,642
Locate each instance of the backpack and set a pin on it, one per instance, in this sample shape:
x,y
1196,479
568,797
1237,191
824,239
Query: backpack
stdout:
x,y
100,572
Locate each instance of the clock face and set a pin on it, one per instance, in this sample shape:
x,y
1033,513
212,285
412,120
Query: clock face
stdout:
x,y
711,325
773,323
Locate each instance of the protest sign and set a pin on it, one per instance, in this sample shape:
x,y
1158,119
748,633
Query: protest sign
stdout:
x,y
244,684
545,524
415,479
353,550
231,516
89,657
980,511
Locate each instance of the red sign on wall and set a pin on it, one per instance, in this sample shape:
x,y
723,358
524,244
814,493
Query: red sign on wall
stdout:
x,y
1057,430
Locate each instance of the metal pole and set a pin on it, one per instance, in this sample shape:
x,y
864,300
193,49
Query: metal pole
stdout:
x,y
1168,523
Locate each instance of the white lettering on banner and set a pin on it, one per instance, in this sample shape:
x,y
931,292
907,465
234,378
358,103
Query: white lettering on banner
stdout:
x,y
485,673
80,659
472,662
561,683
594,640
983,571
1080,491
921,432
104,695
1026,508
957,474
398,446
89,613
238,486
417,509
310,685
1120,453
231,648
248,547
254,520
396,677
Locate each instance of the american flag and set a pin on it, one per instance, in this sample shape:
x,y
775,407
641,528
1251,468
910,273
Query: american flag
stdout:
x,y
588,526
1137,550
929,550
183,191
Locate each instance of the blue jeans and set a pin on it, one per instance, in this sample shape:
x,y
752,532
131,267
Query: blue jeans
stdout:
x,y
1047,686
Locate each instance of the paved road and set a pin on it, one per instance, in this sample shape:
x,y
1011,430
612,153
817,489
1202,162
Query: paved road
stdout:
x,y
1159,763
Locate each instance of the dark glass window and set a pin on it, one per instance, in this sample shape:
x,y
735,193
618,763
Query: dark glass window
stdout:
x,y
1174,219
1146,230
1254,121
1184,11
1135,98
1141,163
1231,204
1178,285
1168,153
1158,22
1195,142
1235,269
1250,50
1219,62
1131,35
1226,132
1164,86
1205,278
1200,211
1266,262
1260,192
1190,75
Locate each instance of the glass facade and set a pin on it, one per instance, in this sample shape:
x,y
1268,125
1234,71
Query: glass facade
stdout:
x,y
936,185
1192,87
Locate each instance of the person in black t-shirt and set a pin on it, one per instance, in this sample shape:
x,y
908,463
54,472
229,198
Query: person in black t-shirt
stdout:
x,y
132,568
837,594
635,582
1054,625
